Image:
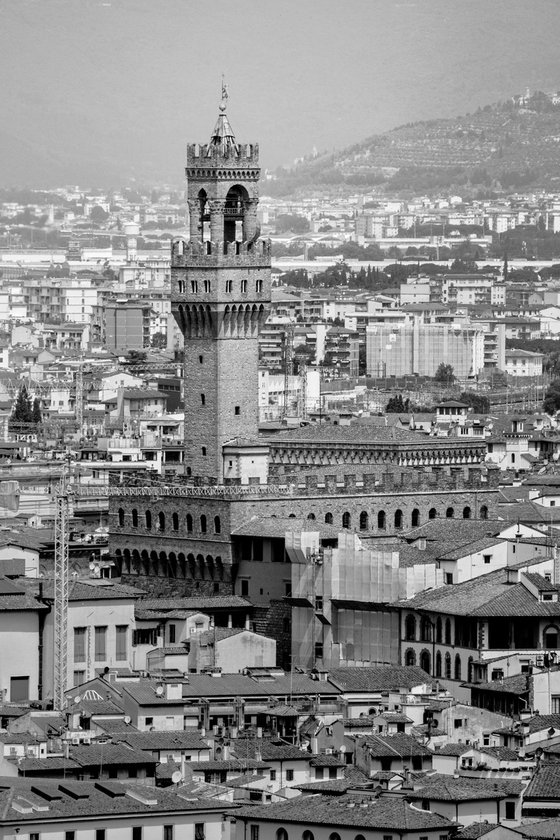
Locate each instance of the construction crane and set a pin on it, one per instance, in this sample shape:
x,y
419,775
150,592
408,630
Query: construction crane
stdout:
x,y
63,494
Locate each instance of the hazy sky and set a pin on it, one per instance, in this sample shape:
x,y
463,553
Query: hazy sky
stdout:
x,y
99,91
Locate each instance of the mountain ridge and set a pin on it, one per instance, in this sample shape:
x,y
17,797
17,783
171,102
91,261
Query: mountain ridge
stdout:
x,y
507,145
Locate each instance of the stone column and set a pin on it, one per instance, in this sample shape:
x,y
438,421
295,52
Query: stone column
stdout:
x,y
250,219
216,220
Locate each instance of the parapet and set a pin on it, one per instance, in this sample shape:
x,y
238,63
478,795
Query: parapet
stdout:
x,y
202,155
388,480
185,253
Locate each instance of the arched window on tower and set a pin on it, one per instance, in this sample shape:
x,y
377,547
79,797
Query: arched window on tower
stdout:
x,y
398,518
364,520
217,525
134,518
189,523
328,519
175,521
484,512
381,520
234,214
203,524
148,519
346,519
161,521
121,517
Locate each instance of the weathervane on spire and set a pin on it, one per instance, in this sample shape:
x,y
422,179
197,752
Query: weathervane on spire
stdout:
x,y
225,95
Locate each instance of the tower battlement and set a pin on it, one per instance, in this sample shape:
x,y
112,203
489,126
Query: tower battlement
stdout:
x,y
210,155
210,254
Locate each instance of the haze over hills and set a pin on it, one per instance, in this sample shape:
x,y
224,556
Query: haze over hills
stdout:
x,y
509,145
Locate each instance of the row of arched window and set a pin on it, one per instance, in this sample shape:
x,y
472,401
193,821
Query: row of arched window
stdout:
x,y
161,564
159,521
442,629
282,834
365,522
444,666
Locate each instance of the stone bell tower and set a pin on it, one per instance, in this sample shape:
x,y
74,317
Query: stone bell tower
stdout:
x,y
220,296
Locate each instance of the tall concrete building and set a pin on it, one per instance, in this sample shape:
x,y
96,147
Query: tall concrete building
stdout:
x,y
220,287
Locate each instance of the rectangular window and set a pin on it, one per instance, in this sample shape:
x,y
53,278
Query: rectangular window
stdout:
x,y
510,810
318,650
254,832
449,577
136,832
555,704
34,836
69,835
79,677
100,644
244,588
121,642
204,450
199,831
487,558
171,634
289,775
273,775
332,772
319,772
167,832
100,834
319,603
237,412
387,837
80,644
19,689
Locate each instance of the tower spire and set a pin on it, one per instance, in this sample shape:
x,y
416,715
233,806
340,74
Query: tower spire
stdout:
x,y
223,136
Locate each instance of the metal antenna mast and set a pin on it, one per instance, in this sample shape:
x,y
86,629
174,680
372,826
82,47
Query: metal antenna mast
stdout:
x,y
61,567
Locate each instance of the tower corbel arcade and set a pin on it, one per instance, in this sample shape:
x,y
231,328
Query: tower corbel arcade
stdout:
x,y
220,297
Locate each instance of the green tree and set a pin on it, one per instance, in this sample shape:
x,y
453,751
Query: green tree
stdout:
x,y
478,402
551,402
445,374
98,214
397,405
36,413
22,412
159,340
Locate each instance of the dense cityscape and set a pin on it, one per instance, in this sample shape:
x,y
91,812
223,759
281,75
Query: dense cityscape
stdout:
x,y
279,472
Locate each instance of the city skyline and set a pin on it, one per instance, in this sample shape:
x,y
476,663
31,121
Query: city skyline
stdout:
x,y
107,90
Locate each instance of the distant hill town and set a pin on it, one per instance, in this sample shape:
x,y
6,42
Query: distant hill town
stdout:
x,y
508,145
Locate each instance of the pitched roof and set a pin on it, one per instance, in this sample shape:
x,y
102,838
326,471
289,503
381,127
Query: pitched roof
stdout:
x,y
443,788
268,750
348,810
163,740
379,677
475,830
382,746
452,749
545,829
545,783
84,800
489,595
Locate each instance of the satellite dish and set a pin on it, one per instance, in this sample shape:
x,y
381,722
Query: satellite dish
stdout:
x,y
343,749
176,777
159,690
127,719
91,567
77,699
